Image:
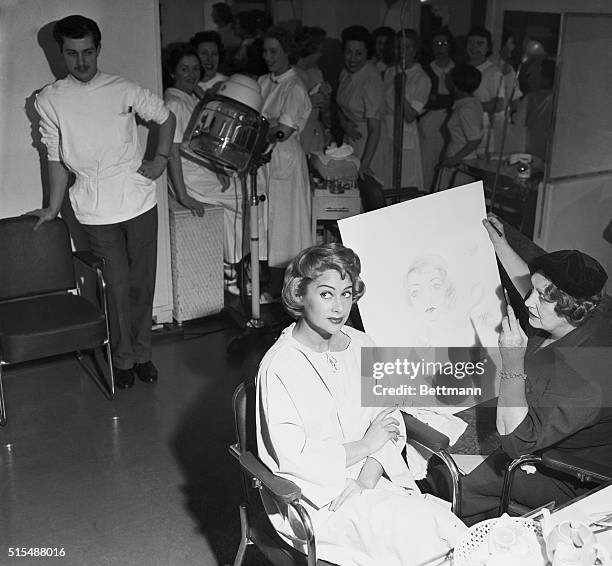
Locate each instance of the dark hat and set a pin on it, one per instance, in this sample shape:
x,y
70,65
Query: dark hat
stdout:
x,y
574,272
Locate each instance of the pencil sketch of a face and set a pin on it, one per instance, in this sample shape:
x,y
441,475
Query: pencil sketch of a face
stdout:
x,y
429,291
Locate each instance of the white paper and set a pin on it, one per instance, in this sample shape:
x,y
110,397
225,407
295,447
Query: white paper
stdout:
x,y
430,273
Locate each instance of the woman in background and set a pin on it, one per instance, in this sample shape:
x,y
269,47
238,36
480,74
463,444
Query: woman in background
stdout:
x,y
209,48
360,99
440,100
416,94
491,91
384,40
192,183
286,105
309,42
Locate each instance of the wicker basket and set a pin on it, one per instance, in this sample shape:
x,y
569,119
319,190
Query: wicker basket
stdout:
x,y
196,251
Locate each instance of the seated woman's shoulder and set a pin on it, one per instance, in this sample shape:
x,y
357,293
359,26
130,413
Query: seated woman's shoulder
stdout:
x,y
358,337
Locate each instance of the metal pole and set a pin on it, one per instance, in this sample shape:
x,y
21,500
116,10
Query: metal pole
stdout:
x,y
399,83
255,321
503,136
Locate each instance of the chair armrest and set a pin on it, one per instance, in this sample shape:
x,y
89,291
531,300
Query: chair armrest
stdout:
x,y
280,488
425,435
585,470
89,259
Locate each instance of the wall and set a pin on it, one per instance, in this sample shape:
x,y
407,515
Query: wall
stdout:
x,y
496,8
130,47
180,19
335,15
573,214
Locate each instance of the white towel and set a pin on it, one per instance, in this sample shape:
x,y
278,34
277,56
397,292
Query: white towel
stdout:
x,y
447,424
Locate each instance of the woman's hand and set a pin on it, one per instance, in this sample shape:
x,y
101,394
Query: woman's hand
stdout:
x,y
382,429
351,487
495,229
512,343
192,204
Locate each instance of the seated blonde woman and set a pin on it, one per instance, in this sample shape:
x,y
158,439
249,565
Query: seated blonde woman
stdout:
x,y
313,430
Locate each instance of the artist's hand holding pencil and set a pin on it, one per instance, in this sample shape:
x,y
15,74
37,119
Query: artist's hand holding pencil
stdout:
x,y
495,229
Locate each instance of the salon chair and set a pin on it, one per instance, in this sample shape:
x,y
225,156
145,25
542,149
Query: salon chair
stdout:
x,y
585,470
41,311
257,478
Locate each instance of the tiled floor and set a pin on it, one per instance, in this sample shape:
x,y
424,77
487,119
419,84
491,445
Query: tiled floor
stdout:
x,y
143,480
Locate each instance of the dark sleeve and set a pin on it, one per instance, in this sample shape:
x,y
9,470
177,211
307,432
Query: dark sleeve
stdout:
x,y
569,403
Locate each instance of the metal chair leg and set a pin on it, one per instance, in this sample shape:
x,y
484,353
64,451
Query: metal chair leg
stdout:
x,y
244,537
109,357
2,405
97,376
455,480
509,477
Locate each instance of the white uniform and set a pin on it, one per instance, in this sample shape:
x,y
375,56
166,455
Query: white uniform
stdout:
x,y
359,98
491,86
289,200
205,85
99,143
416,92
308,407
204,185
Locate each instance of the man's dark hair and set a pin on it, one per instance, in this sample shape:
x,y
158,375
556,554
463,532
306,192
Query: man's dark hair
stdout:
x,y
76,27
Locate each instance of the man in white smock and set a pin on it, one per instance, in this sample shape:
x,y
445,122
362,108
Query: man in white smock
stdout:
x,y
87,122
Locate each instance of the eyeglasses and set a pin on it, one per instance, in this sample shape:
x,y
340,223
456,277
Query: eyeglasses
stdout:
x,y
441,43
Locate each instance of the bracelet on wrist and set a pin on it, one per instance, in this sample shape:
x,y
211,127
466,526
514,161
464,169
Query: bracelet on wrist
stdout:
x,y
161,155
504,374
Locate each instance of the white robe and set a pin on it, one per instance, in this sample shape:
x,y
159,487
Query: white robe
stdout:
x,y
416,92
309,406
289,201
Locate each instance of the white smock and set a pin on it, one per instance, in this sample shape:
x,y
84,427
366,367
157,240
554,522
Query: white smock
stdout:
x,y
416,93
308,407
289,202
91,128
360,98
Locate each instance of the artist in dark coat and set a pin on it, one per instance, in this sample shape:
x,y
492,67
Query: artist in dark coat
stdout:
x,y
553,389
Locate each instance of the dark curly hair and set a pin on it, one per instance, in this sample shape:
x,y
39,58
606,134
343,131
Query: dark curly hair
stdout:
x,y
208,37
76,27
358,33
172,55
312,262
575,311
285,38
